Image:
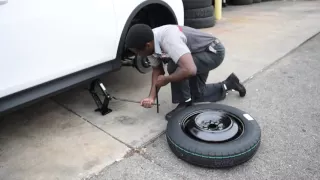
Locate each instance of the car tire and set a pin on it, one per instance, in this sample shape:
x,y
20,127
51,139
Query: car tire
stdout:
x,y
241,2
195,4
198,13
221,154
199,23
256,1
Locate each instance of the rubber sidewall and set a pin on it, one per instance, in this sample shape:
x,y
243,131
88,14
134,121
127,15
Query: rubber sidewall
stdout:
x,y
199,13
195,4
220,155
199,23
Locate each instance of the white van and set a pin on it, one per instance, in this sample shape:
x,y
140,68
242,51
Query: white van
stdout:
x,y
49,46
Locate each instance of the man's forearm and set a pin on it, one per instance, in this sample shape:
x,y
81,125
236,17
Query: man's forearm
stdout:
x,y
186,68
178,75
155,73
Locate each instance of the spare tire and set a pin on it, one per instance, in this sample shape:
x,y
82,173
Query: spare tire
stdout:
x,y
199,23
195,4
213,135
199,13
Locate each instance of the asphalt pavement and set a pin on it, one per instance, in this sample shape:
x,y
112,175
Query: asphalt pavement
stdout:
x,y
284,99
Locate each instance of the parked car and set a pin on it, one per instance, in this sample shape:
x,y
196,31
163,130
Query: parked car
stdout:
x,y
47,47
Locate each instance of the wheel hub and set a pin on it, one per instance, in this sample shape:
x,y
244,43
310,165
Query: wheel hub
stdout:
x,y
213,121
142,64
213,126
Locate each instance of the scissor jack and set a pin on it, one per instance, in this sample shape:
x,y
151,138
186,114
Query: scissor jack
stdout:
x,y
103,106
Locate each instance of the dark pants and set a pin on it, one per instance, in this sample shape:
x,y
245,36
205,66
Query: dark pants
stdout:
x,y
196,87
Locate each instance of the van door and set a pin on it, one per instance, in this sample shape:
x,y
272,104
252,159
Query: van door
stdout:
x,y
41,40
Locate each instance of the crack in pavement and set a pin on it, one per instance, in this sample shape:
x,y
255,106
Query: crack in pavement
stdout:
x,y
70,110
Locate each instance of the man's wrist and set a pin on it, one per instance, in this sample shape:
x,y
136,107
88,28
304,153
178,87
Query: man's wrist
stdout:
x,y
153,93
167,79
152,97
178,75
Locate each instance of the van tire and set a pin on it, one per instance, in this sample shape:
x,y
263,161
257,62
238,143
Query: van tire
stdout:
x,y
222,154
199,23
195,4
198,13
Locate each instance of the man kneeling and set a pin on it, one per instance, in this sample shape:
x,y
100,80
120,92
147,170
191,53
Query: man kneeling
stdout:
x,y
190,55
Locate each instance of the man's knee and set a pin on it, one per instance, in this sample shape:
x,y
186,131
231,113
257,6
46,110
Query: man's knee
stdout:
x,y
221,58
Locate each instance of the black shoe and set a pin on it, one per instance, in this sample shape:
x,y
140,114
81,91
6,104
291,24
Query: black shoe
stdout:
x,y
180,107
233,83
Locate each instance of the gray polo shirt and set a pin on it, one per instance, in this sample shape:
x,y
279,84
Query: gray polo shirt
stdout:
x,y
173,41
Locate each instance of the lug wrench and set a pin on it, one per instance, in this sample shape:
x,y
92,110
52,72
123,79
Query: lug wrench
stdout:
x,y
129,100
138,102
133,101
157,97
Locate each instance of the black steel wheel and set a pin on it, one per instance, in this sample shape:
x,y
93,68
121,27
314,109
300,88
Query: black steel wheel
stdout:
x,y
213,135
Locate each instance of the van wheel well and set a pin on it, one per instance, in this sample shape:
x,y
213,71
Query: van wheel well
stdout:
x,y
154,15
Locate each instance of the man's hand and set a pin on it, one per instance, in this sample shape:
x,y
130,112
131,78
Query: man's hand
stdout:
x,y
161,81
147,102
